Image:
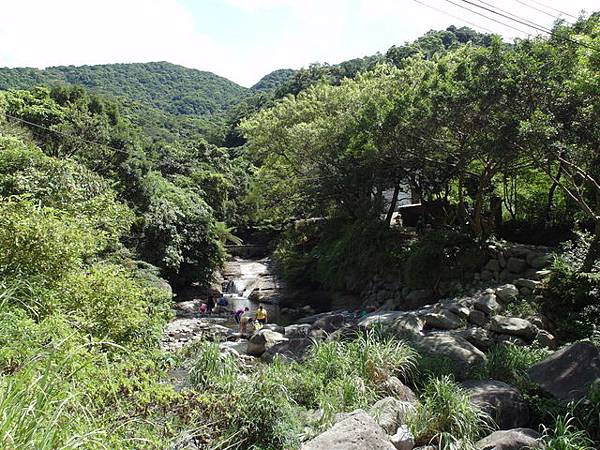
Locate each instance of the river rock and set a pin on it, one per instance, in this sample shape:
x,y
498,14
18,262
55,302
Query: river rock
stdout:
x,y
408,325
263,340
479,337
568,373
545,339
502,402
541,261
464,355
297,330
274,327
513,326
503,339
516,439
403,439
380,318
442,319
393,387
527,284
330,323
478,318
390,413
487,304
358,431
493,265
239,346
507,293
295,349
461,311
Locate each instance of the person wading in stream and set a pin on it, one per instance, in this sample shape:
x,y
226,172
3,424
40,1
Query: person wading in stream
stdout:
x,y
261,315
244,321
239,313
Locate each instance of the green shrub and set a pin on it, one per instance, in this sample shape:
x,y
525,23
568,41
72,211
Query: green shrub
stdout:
x,y
441,255
106,302
445,416
572,300
337,254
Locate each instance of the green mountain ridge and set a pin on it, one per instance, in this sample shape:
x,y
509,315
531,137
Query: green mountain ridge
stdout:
x,y
171,88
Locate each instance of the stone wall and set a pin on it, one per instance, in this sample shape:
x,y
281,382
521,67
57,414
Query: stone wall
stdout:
x,y
523,265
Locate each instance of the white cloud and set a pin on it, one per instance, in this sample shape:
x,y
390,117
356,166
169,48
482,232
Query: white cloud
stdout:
x,y
61,32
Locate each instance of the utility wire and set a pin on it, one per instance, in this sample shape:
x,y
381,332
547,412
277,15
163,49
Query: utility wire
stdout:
x,y
455,17
71,136
522,21
553,9
518,20
538,9
488,18
516,17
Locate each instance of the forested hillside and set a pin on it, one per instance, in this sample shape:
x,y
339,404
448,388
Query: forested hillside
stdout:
x,y
121,185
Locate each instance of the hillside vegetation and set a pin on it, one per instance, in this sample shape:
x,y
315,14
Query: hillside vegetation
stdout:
x,y
109,205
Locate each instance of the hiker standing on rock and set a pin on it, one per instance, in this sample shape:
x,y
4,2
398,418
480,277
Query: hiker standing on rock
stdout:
x,y
261,315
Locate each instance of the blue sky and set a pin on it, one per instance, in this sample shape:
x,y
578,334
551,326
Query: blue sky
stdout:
x,y
239,39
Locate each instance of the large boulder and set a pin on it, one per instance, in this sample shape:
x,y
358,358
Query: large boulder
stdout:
x,y
263,340
502,402
357,431
296,349
393,387
443,319
568,373
488,304
297,330
516,439
507,293
403,439
380,318
461,352
330,323
479,337
513,326
390,413
408,325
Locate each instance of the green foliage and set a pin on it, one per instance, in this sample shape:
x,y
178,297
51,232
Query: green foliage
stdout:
x,y
441,255
571,298
510,363
179,231
337,254
447,417
265,404
564,435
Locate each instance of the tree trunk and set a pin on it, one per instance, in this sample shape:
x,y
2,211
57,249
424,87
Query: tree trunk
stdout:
x,y
551,193
392,208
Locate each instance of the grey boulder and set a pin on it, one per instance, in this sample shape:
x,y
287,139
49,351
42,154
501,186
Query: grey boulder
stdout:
x,y
513,326
390,413
357,431
461,352
516,439
296,349
504,403
443,319
568,373
263,340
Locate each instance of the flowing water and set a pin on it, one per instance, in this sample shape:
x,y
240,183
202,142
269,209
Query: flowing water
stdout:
x,y
243,277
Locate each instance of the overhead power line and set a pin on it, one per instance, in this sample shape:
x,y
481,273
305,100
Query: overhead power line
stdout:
x,y
537,9
516,17
553,9
455,17
518,20
68,135
487,17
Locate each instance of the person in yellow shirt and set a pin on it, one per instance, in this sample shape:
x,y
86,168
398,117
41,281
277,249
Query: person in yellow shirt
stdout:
x,y
261,315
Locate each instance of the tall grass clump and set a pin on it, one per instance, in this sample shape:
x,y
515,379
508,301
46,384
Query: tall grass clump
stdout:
x,y
446,417
565,435
509,363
